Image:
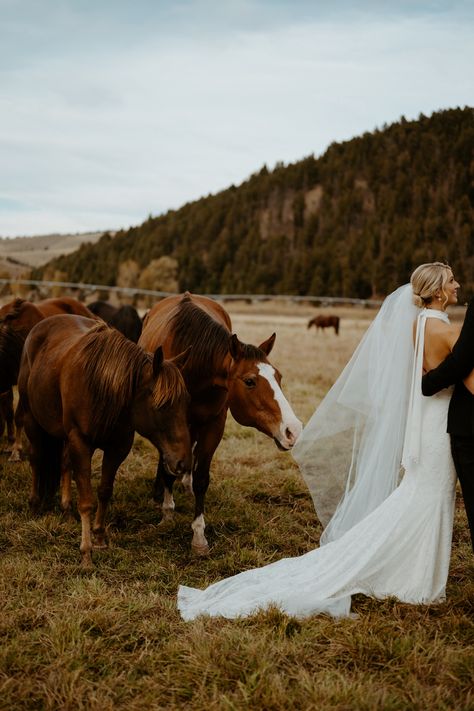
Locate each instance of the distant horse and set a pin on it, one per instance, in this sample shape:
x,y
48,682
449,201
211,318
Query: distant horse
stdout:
x,y
6,415
17,318
220,373
124,318
325,322
101,389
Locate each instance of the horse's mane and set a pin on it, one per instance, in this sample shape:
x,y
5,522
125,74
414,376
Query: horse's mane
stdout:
x,y
112,366
210,340
14,311
250,352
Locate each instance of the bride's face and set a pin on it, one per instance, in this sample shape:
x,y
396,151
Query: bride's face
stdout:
x,y
451,289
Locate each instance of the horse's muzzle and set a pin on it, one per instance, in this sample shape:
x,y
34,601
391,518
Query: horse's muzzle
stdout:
x,y
179,469
280,446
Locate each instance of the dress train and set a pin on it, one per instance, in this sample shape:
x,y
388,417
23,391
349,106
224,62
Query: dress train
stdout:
x,y
401,549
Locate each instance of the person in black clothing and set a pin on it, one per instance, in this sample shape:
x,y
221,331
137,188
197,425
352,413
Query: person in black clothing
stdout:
x,y
454,370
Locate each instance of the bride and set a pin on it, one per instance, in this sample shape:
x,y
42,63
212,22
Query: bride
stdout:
x,y
382,537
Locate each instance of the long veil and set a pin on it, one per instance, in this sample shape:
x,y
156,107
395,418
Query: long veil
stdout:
x,y
350,451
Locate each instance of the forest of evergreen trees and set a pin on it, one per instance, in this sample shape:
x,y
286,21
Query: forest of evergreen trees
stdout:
x,y
351,223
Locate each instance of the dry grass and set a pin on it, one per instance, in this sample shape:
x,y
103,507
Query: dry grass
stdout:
x,y
112,639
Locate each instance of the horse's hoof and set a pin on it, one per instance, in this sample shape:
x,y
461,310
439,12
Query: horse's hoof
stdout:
x,y
100,545
14,456
86,561
68,516
200,551
166,525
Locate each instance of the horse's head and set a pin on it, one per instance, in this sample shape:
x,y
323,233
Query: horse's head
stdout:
x,y
255,396
160,412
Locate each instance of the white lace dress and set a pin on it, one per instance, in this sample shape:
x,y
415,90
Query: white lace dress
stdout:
x,y
401,549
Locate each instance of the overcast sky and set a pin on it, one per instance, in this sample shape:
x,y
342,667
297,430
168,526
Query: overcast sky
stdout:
x,y
111,110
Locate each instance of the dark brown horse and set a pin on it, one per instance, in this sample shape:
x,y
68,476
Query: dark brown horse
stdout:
x,y
101,389
124,318
17,318
221,373
325,322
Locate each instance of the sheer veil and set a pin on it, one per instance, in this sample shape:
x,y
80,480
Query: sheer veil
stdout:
x,y
350,451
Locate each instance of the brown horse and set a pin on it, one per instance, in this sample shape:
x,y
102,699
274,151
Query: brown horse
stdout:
x,y
17,318
221,373
325,322
101,388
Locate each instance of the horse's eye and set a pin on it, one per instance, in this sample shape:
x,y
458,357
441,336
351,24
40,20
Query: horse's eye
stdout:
x,y
249,382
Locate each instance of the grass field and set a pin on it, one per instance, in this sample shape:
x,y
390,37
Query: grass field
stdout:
x,y
112,638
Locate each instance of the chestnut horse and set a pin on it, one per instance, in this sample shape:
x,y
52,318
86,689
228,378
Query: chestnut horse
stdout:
x,y
17,318
84,386
220,373
325,322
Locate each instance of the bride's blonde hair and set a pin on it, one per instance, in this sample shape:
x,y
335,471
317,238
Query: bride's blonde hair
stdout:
x,y
426,280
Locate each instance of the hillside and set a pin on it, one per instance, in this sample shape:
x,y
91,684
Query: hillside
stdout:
x,y
27,252
353,222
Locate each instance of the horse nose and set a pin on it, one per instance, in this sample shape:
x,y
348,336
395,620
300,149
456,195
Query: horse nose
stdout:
x,y
181,468
292,432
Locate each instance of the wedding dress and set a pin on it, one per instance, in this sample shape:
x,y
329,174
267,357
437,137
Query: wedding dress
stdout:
x,y
399,547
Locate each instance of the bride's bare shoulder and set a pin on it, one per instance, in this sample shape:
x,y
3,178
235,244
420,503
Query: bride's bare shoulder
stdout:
x,y
440,332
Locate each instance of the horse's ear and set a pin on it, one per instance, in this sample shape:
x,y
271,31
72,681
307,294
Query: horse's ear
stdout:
x,y
235,347
267,345
157,360
181,359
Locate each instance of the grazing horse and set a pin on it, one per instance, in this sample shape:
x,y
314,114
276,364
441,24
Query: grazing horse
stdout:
x,y
124,318
221,373
101,389
17,318
325,322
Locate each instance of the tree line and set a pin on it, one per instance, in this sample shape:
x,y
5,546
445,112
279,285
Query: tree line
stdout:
x,y
353,222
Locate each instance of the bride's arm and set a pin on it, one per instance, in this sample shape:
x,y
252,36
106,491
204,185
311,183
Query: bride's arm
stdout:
x,y
458,364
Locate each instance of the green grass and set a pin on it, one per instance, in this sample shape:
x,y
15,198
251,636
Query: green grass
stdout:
x,y
112,638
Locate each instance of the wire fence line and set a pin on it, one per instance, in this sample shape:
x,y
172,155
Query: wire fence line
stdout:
x,y
133,292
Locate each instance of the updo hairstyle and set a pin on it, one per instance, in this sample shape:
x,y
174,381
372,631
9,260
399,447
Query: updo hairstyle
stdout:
x,y
426,280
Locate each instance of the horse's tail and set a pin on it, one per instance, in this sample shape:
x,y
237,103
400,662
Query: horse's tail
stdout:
x,y
336,325
310,322
49,470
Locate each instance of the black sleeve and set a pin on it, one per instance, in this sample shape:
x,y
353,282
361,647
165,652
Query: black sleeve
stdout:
x,y
457,364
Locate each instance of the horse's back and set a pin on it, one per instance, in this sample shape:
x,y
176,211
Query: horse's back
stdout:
x,y
56,334
158,325
63,305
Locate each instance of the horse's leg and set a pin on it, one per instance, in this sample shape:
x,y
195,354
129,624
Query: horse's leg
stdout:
x,y
38,459
9,417
66,484
111,461
80,457
207,442
163,495
17,448
66,493
35,457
